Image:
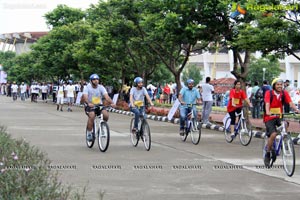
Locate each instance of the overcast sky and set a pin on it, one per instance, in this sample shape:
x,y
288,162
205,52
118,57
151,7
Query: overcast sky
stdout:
x,y
27,15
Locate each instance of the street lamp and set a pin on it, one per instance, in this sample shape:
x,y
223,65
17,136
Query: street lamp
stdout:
x,y
264,70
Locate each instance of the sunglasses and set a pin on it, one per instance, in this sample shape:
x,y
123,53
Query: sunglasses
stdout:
x,y
95,79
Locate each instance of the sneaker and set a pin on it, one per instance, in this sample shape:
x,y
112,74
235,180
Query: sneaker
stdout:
x,y
181,132
267,160
273,155
89,136
134,130
232,135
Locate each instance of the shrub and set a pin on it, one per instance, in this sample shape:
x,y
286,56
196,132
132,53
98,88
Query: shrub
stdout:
x,y
24,172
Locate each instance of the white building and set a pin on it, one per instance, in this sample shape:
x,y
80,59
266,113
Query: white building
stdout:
x,y
220,65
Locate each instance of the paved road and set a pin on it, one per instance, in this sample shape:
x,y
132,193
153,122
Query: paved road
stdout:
x,y
172,169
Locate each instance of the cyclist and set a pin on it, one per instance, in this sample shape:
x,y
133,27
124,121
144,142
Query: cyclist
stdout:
x,y
92,95
235,104
137,97
274,106
187,95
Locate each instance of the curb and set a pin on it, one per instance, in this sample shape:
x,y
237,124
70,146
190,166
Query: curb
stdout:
x,y
256,134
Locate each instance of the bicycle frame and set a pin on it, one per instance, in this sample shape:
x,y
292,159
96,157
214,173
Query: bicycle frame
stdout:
x,y
190,116
284,143
240,128
277,143
239,123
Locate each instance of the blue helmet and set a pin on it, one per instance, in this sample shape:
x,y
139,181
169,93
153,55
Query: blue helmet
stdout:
x,y
190,81
138,80
94,76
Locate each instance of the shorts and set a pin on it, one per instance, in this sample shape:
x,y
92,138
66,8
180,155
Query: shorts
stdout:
x,y
271,126
60,100
70,99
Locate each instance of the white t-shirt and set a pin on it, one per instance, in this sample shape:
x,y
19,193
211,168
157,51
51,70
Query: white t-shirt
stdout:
x,y
138,95
95,95
23,88
249,92
60,92
207,90
35,89
70,90
44,88
14,88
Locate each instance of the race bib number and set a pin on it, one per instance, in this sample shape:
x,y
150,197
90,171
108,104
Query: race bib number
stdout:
x,y
95,100
236,101
138,103
276,111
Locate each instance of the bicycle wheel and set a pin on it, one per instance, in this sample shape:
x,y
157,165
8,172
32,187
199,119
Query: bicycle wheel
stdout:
x,y
227,132
103,136
89,143
133,137
146,135
195,132
288,155
245,133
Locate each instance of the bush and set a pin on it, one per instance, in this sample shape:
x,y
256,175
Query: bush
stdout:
x,y
24,172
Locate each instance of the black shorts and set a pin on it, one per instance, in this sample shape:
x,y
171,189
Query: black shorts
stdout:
x,y
88,109
233,116
271,126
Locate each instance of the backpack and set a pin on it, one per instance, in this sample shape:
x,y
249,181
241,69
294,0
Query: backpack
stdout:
x,y
271,98
259,94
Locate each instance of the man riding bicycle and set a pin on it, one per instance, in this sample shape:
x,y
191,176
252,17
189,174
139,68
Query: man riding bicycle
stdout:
x,y
274,100
137,97
92,95
188,96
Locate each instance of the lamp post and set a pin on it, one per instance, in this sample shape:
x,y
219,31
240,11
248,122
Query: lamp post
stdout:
x,y
264,70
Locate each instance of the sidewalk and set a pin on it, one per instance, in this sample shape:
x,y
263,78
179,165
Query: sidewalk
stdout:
x,y
257,123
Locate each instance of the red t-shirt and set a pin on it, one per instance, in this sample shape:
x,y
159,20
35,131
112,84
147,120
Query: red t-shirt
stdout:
x,y
237,98
167,90
276,104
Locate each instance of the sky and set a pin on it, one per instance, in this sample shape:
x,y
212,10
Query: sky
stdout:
x,y
27,15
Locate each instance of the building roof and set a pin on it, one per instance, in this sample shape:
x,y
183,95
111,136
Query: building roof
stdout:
x,y
222,85
20,37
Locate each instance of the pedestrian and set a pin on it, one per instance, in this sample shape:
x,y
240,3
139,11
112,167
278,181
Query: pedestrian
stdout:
x,y
70,90
44,89
60,96
166,93
23,88
207,100
255,101
14,91
289,89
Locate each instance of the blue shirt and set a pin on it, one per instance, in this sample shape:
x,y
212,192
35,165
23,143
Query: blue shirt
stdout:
x,y
190,96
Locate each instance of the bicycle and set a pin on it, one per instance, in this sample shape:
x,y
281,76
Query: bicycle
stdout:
x,y
283,142
100,130
142,133
241,128
192,126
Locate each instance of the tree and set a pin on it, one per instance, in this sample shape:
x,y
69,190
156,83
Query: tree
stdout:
x,y
193,72
63,15
172,28
271,65
7,59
